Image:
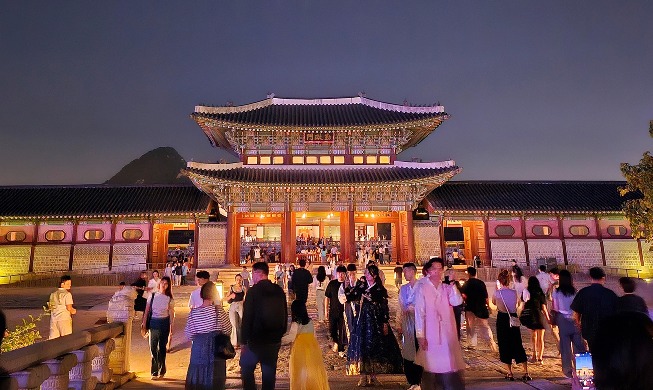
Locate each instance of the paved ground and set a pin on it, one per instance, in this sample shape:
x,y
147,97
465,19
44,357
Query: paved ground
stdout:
x,y
483,368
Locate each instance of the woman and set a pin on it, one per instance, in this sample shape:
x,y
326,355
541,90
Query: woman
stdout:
x,y
306,365
320,282
291,271
518,283
374,348
561,312
206,371
536,301
509,337
235,299
162,306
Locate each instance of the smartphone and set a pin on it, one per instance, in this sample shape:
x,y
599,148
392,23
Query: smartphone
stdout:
x,y
585,370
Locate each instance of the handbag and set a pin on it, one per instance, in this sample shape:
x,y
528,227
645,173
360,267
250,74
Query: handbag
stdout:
x,y
223,347
513,320
526,316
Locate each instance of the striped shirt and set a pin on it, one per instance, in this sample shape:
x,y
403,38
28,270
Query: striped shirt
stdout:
x,y
206,319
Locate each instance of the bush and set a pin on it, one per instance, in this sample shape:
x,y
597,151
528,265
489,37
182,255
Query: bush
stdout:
x,y
24,334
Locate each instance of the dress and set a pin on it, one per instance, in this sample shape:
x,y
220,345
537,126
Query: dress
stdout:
x,y
205,371
369,348
307,370
534,303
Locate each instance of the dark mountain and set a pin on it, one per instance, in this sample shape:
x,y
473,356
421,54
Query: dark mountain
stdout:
x,y
158,166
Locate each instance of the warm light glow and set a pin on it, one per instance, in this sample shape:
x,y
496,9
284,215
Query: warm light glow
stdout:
x,y
261,216
220,289
372,215
304,215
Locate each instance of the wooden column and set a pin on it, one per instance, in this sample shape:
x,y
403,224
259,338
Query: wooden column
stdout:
x,y
561,233
410,239
35,239
441,229
150,243
286,237
112,241
72,245
197,241
523,233
641,254
292,253
231,231
488,243
599,235
351,237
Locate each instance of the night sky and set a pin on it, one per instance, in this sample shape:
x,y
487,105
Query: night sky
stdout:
x,y
546,90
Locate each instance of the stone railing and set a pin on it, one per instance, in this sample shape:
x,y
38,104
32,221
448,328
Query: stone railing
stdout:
x,y
95,358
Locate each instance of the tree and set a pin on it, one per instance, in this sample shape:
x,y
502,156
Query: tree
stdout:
x,y
639,190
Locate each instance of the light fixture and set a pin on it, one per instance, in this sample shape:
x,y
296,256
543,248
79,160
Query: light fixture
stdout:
x,y
303,215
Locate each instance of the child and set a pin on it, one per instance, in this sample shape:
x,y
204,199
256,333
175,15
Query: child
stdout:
x,y
306,366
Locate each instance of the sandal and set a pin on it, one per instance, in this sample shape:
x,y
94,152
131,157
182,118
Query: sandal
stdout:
x,y
526,378
509,377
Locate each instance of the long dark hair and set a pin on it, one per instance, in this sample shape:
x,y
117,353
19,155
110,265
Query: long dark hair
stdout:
x,y
534,287
518,273
298,312
321,274
566,284
374,271
168,291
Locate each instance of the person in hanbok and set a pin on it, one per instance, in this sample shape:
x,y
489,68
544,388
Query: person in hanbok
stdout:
x,y
439,351
306,369
205,371
374,347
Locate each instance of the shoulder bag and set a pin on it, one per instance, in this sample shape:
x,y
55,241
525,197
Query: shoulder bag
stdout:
x,y
526,316
513,320
223,347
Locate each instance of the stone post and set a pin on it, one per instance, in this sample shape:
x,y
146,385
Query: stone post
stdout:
x,y
81,376
100,364
28,379
59,371
121,309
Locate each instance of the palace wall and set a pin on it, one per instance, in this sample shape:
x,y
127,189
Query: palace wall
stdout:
x,y
212,250
427,240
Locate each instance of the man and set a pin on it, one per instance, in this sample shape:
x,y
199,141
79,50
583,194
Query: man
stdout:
x,y
195,300
476,310
265,320
301,279
152,285
245,275
592,304
61,309
439,350
629,301
407,326
335,312
184,272
140,285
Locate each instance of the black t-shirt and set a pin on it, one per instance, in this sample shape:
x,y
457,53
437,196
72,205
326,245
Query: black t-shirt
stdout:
x,y
632,302
301,279
593,303
335,307
476,295
265,315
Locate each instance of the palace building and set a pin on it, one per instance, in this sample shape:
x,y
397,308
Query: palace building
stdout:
x,y
317,173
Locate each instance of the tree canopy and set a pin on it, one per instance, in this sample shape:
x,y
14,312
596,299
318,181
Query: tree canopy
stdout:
x,y
639,188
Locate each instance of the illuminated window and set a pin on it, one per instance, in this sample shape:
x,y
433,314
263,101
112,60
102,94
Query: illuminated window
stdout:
x,y
16,236
266,160
358,160
617,230
541,230
93,235
252,160
311,159
384,159
55,235
277,160
371,159
338,159
132,234
579,230
297,159
325,159
504,230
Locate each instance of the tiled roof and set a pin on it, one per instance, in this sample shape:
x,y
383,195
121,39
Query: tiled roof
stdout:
x,y
100,201
319,113
528,196
312,176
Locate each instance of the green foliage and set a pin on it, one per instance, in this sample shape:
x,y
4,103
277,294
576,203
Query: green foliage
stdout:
x,y
639,187
24,334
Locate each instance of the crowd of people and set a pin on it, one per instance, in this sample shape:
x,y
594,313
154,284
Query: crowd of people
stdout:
x,y
425,343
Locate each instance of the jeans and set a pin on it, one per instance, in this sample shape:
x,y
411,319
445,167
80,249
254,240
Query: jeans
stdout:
x,y
267,355
159,332
569,336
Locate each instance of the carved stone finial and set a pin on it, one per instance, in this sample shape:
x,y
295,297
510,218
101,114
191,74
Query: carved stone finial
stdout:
x,y
270,95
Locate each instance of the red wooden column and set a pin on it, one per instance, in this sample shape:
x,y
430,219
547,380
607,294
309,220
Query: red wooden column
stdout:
x,y
410,237
150,244
441,229
72,245
286,237
351,237
230,252
112,241
197,242
561,232
35,239
600,237
488,243
523,233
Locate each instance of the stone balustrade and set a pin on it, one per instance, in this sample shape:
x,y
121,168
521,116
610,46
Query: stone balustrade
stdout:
x,y
95,358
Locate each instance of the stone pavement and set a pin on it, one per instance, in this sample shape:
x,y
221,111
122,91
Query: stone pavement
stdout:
x,y
484,371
